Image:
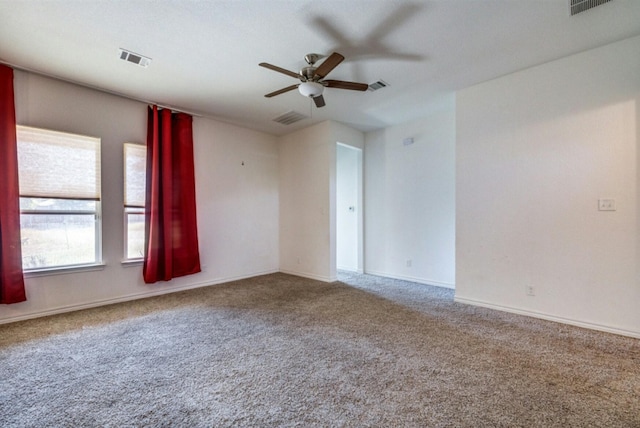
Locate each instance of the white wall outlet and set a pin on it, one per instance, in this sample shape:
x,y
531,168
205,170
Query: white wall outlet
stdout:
x,y
606,204
409,263
530,290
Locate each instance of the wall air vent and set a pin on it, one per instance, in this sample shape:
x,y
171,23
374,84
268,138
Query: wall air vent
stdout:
x,y
135,58
577,6
290,117
378,85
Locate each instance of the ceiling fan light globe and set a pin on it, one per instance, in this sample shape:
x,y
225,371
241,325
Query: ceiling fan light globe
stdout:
x,y
311,89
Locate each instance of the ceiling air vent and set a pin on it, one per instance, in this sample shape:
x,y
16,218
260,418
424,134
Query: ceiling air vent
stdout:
x,y
135,58
290,117
378,85
577,6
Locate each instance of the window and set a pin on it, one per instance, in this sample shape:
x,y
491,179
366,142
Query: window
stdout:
x,y
135,164
59,178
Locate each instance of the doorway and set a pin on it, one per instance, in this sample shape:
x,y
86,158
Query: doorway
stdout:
x,y
349,212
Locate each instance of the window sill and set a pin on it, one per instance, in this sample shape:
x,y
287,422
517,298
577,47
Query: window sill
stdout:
x,y
63,270
132,262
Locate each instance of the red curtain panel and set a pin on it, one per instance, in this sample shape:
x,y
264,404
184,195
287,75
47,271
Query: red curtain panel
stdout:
x,y
11,277
171,236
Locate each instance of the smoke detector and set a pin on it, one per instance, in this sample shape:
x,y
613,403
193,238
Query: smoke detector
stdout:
x,y
135,58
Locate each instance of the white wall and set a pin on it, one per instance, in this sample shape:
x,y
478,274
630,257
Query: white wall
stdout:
x,y
410,199
307,198
304,164
237,205
535,152
238,199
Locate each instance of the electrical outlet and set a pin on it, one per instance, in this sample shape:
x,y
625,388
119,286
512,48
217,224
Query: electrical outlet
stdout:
x,y
409,263
530,290
606,204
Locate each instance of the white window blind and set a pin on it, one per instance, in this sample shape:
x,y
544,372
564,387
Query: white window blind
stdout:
x,y
58,165
135,164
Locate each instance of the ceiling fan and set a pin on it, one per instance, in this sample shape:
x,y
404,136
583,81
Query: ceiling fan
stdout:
x,y
312,81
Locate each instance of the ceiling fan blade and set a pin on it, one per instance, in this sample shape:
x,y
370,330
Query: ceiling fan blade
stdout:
x,y
328,65
330,31
281,91
279,69
319,100
340,84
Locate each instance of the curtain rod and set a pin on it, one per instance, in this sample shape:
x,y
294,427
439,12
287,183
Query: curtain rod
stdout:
x,y
95,88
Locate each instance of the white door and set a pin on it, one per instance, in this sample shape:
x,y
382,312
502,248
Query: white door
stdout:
x,y
348,208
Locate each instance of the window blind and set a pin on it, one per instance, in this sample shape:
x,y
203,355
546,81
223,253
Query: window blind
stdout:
x,y
58,165
135,166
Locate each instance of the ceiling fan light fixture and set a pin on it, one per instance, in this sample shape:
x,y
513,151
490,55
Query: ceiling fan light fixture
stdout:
x,y
310,89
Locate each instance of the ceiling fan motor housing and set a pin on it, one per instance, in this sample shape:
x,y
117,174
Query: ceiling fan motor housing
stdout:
x,y
307,73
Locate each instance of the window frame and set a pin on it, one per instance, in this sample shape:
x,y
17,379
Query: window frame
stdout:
x,y
125,250
97,262
130,209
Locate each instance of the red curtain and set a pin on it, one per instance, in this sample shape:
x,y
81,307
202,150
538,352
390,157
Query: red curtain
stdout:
x,y
171,237
11,278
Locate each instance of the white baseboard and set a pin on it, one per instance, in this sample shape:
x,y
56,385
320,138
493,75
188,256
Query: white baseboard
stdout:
x,y
309,275
348,269
541,315
412,279
129,297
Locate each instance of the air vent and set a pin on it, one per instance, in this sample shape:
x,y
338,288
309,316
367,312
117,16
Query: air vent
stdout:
x,y
378,85
577,6
290,117
135,58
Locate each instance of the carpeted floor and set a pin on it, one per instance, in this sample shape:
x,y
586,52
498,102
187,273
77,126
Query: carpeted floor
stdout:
x,y
279,350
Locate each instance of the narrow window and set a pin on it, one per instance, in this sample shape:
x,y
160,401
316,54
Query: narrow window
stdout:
x,y
59,177
135,161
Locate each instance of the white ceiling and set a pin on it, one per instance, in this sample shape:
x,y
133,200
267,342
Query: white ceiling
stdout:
x,y
205,54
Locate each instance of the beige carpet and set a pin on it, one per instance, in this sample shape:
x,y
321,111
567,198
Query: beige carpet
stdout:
x,y
279,350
